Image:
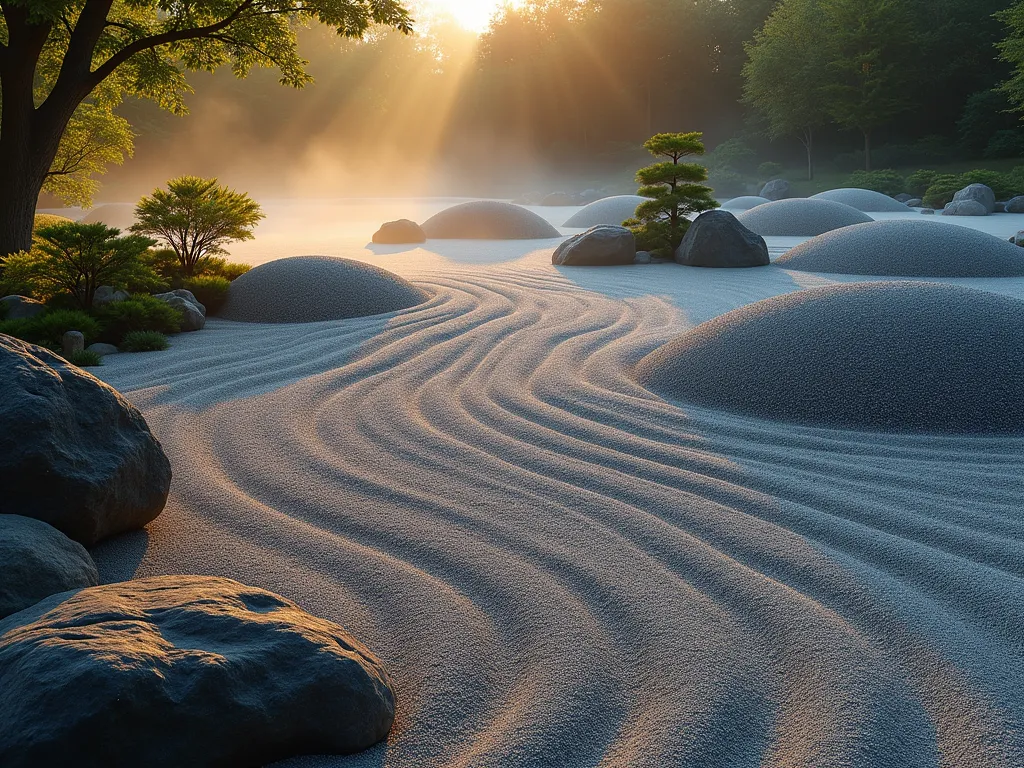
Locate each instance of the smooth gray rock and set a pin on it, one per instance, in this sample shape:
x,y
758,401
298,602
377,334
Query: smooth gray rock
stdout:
x,y
106,294
188,296
1018,239
965,208
310,289
865,200
488,220
602,246
73,452
611,211
903,197
72,342
192,319
1016,205
400,232
103,349
800,217
717,239
36,561
21,307
642,257
999,208
978,193
183,671
928,211
914,202
776,189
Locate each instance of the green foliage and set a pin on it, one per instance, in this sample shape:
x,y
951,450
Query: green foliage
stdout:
x,y
727,183
217,267
49,220
48,328
197,218
143,341
210,290
137,314
734,155
676,191
985,114
1003,185
888,182
4,310
1011,50
1006,143
78,258
941,190
918,182
86,359
768,171
93,139
17,275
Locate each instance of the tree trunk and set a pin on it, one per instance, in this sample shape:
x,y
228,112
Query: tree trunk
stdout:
x,y
867,150
808,141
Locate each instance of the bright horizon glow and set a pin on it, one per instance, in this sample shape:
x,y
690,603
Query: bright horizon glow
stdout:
x,y
474,15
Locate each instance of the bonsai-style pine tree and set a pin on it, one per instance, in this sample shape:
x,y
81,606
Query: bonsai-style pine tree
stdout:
x,y
675,190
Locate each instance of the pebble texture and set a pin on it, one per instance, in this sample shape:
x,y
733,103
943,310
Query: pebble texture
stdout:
x,y
717,239
36,561
801,217
865,200
888,356
610,211
183,671
309,289
745,203
488,220
73,452
597,247
907,248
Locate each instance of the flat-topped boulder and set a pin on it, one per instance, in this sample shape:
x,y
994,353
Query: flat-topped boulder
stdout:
x,y
488,220
309,289
183,671
36,561
74,452
597,247
822,357
400,232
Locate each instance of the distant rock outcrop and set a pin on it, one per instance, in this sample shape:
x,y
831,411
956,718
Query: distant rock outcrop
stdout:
x,y
978,193
776,189
400,232
73,452
488,220
183,671
21,307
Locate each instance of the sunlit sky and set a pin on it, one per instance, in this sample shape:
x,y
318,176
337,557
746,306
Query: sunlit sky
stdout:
x,y
472,14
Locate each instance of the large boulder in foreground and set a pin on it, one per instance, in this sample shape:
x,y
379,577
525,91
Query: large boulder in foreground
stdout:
x,y
400,232
800,217
310,289
597,247
978,193
488,220
946,359
776,189
717,239
907,248
36,561
182,671
73,452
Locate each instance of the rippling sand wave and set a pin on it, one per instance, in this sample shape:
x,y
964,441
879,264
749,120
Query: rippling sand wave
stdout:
x,y
560,568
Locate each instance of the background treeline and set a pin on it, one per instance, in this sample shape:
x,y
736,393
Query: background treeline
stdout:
x,y
575,86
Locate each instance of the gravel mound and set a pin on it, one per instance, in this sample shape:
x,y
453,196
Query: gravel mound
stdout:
x,y
889,356
745,203
488,220
611,211
800,217
907,248
863,200
310,289
120,215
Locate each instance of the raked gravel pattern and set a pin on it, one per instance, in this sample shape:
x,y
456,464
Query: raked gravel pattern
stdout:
x,y
560,568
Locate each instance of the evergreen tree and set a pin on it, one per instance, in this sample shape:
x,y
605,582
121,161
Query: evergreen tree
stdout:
x,y
675,189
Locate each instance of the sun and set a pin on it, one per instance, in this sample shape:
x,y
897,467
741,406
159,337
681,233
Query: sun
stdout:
x,y
474,15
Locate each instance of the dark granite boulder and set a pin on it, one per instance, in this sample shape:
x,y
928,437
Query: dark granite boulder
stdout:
x,y
182,671
602,246
717,239
73,452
